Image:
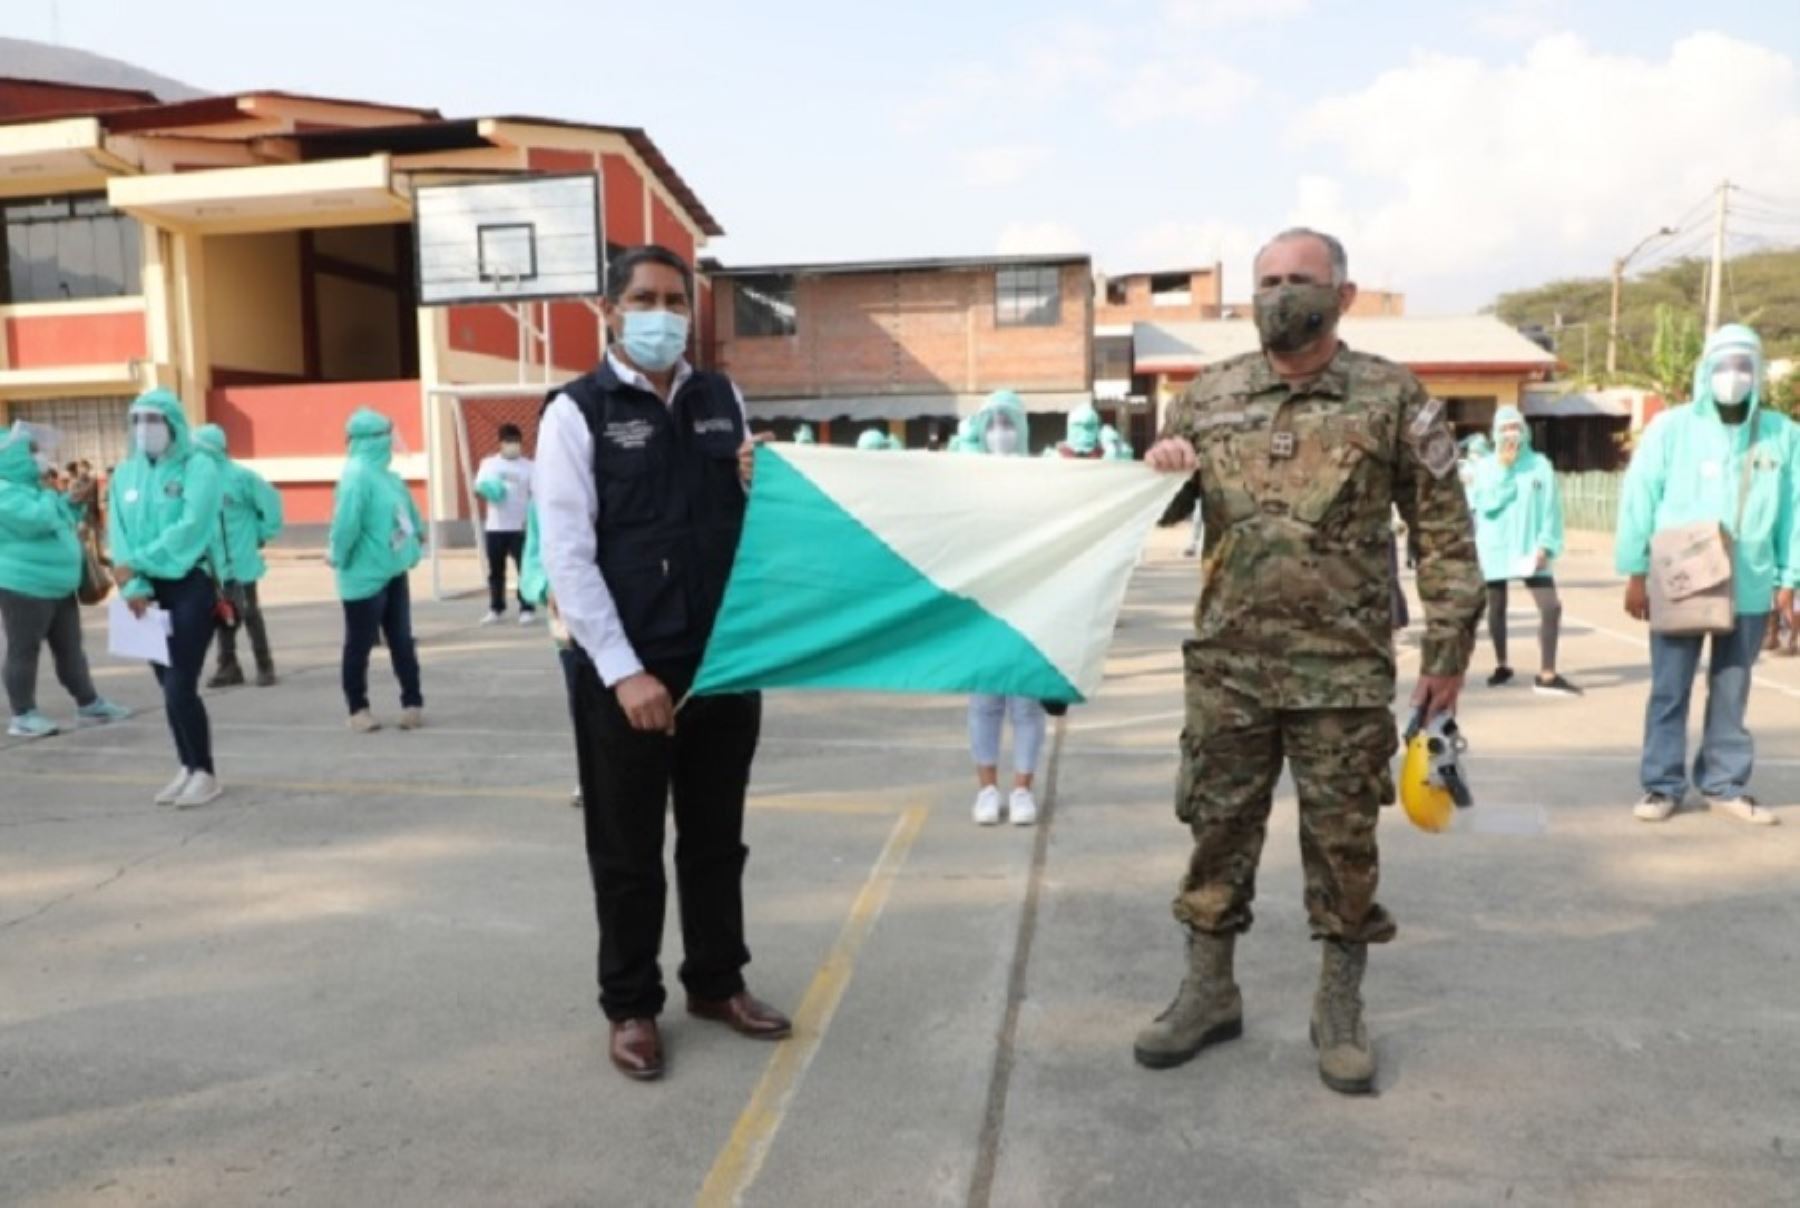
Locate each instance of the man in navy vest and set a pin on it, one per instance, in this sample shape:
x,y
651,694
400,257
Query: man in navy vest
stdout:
x,y
642,471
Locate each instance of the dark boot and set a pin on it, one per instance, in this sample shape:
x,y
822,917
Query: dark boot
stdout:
x,y
1207,1009
228,674
1346,1059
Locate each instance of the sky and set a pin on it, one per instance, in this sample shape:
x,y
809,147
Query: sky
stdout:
x,y
1459,147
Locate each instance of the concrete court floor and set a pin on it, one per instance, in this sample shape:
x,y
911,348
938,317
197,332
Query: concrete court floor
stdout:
x,y
364,977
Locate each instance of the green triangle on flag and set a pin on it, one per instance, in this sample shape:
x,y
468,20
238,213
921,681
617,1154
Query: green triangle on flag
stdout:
x,y
817,600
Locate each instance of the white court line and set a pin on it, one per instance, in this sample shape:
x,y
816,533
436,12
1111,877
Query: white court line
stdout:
x,y
1640,644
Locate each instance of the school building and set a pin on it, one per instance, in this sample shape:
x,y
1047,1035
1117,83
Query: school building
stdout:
x,y
908,346
254,253
1476,364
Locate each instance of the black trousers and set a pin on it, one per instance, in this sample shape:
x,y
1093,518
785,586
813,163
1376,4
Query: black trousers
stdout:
x,y
189,602
1549,606
388,613
500,547
255,627
628,779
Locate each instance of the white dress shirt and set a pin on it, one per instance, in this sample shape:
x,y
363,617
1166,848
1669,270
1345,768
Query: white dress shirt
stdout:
x,y
568,504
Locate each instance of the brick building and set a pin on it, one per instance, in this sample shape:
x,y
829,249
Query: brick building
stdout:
x,y
1475,363
254,253
909,346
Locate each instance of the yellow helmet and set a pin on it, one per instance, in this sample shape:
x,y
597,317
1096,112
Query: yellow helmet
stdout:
x,y
1432,784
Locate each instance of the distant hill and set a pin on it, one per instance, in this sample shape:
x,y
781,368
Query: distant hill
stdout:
x,y
1762,290
42,61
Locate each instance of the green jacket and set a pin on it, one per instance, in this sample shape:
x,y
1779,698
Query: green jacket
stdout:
x,y
375,525
40,552
1518,508
1688,466
534,581
162,515
252,515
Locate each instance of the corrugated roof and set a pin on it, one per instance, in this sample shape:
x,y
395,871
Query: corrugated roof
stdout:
x,y
1469,342
830,268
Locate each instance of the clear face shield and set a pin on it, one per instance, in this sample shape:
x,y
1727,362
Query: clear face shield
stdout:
x,y
1733,378
42,441
150,432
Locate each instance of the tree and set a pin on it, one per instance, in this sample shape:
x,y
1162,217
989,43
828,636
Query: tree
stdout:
x,y
1675,353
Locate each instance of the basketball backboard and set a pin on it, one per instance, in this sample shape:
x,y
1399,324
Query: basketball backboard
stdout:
x,y
509,240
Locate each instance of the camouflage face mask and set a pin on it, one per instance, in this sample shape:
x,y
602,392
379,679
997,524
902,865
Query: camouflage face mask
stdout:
x,y
1291,317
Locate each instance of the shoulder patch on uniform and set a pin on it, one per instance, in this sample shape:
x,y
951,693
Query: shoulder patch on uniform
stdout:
x,y
1428,417
1438,451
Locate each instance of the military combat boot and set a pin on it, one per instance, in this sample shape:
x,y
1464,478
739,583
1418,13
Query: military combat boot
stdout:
x,y
1346,1059
1207,1008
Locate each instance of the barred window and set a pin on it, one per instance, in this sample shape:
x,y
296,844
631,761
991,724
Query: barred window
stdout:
x,y
1028,297
764,305
66,248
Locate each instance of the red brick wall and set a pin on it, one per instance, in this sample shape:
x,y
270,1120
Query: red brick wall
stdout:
x,y
623,197
47,341
667,230
1206,288
308,421
909,333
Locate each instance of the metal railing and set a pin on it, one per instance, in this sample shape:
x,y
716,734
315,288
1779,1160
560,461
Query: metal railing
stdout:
x,y
1591,501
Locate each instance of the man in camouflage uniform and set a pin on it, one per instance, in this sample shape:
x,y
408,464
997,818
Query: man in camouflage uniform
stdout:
x,y
1300,449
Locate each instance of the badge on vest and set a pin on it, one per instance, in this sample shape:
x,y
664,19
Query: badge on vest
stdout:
x,y
629,433
705,427
1282,445
172,490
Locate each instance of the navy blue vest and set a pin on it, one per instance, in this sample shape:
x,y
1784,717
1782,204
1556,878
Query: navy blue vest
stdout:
x,y
671,505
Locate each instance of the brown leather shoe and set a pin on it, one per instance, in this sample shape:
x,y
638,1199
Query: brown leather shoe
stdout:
x,y
744,1014
636,1049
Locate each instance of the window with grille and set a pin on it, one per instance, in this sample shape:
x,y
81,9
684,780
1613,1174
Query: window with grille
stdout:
x,y
67,248
764,305
91,428
1029,296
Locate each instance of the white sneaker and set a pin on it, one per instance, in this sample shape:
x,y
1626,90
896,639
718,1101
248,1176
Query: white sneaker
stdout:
x,y
528,617
493,618
1654,807
987,807
1023,808
202,789
173,789
1744,808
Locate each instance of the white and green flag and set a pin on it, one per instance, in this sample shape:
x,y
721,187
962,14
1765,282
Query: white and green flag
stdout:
x,y
919,572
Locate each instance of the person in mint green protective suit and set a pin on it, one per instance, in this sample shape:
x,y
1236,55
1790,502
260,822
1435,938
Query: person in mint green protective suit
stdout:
x,y
1517,507
41,562
1475,448
1694,463
534,589
964,441
803,435
163,513
1114,445
1000,429
375,541
874,440
1082,436
251,519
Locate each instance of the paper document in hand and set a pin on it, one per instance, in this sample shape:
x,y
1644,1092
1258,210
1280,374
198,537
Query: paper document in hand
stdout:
x,y
130,637
920,572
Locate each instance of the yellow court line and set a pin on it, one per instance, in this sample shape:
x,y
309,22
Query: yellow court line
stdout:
x,y
741,1160
402,788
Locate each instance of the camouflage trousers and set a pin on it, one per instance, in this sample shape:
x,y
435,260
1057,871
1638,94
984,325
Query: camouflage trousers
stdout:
x,y
1231,755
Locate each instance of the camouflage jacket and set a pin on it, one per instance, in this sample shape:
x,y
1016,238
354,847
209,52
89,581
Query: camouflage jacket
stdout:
x,y
1296,484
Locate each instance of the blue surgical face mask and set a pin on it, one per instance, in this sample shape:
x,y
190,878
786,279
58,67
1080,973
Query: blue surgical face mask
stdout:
x,y
654,339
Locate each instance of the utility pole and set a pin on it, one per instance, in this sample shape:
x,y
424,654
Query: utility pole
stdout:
x,y
1715,291
1618,285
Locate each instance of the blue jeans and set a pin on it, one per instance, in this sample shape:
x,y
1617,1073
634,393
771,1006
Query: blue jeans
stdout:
x,y
390,611
1727,752
987,717
189,603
